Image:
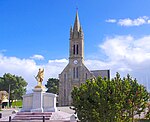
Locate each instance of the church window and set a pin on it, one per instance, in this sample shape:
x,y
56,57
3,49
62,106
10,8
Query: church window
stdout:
x,y
86,75
74,73
64,77
77,72
77,49
65,86
74,47
64,95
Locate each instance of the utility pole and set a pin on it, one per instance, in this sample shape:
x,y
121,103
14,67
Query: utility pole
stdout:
x,y
9,96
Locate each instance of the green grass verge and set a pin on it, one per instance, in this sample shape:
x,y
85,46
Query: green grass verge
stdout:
x,y
17,103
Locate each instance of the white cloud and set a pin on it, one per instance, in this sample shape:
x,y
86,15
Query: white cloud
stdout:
x,y
127,47
126,54
27,68
131,22
135,22
58,61
111,20
125,22
37,57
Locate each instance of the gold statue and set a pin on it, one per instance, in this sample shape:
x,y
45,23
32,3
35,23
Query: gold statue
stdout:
x,y
40,77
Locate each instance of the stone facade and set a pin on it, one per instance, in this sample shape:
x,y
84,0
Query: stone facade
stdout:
x,y
75,73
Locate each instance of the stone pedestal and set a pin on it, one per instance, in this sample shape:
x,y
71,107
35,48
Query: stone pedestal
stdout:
x,y
39,101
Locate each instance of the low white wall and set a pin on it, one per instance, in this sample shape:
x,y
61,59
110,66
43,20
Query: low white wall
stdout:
x,y
39,101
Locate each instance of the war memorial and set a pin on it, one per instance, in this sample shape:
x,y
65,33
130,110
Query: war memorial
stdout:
x,y
39,101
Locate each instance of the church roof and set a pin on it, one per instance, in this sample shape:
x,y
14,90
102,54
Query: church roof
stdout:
x,y
76,23
101,73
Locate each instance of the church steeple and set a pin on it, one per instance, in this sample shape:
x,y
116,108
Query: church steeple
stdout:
x,y
76,31
76,23
76,40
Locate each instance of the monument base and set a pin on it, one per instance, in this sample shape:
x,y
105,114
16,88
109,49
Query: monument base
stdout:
x,y
39,101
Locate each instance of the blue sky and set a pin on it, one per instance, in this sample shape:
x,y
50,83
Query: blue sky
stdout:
x,y
35,33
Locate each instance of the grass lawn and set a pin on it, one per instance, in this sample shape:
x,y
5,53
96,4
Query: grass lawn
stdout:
x,y
17,103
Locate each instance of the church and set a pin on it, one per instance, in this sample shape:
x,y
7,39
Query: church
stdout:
x,y
76,73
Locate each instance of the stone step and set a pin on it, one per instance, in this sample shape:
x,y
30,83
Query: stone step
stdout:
x,y
37,121
32,116
34,113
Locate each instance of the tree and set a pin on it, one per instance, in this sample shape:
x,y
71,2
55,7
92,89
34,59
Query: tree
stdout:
x,y
16,83
52,85
148,112
103,100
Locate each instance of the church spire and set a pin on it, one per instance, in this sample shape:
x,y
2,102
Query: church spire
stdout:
x,y
76,41
76,23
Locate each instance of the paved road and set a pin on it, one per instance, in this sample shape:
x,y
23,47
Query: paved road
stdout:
x,y
7,112
66,109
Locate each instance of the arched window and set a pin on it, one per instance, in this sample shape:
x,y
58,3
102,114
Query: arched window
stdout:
x,y
64,77
77,49
74,73
74,48
86,75
77,72
65,96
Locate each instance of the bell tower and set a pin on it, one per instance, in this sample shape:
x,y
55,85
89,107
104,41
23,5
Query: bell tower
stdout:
x,y
76,42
